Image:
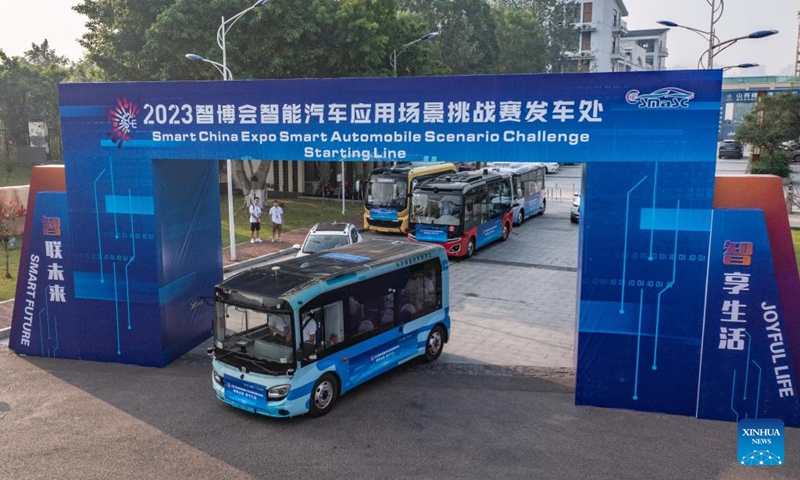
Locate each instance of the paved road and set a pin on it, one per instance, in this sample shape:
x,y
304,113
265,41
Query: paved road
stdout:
x,y
82,420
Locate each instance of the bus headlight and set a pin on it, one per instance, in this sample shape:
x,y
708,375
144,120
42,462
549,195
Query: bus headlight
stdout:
x,y
278,392
218,378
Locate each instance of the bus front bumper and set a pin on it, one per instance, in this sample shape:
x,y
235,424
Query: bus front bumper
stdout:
x,y
454,248
391,226
285,408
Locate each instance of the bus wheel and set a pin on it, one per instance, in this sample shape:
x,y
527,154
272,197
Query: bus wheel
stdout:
x,y
520,216
471,247
504,235
323,395
433,347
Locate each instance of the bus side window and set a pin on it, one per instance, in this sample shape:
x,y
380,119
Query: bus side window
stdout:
x,y
372,304
333,323
422,293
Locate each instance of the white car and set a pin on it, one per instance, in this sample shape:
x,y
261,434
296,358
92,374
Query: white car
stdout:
x,y
575,209
324,236
551,167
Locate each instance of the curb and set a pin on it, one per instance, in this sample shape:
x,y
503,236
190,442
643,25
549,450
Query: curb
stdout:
x,y
232,267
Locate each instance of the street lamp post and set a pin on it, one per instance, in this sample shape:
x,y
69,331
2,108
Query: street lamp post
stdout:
x,y
393,56
715,46
741,65
222,68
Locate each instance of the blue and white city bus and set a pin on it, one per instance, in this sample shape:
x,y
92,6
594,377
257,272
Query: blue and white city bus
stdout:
x,y
527,187
290,338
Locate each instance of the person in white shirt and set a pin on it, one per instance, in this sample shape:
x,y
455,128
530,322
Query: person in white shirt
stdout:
x,y
276,215
255,221
310,329
279,326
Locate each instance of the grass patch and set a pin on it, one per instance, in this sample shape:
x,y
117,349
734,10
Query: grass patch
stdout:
x,y
297,213
21,175
8,286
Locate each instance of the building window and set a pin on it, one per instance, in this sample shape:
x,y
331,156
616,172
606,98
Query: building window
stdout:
x,y
586,41
615,19
587,12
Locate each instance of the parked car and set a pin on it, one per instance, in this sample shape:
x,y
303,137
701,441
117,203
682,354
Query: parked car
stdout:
x,y
793,148
324,236
730,149
551,167
575,209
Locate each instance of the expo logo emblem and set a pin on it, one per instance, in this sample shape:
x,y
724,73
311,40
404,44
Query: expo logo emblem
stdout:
x,y
761,442
123,119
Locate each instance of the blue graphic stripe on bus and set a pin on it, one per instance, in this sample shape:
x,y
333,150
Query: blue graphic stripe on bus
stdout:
x,y
246,393
698,220
489,232
347,258
382,214
384,357
137,205
431,233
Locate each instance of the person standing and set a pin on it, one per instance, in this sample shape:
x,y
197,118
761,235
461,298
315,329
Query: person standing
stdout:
x,y
255,221
276,215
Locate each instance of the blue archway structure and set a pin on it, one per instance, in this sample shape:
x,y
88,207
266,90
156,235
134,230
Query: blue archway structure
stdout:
x,y
678,307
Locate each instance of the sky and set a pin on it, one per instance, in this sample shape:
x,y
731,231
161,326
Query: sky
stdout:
x,y
32,21
740,17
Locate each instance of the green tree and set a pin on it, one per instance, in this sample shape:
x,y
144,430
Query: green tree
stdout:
x,y
775,119
116,32
29,89
556,21
468,40
10,212
8,157
521,42
147,40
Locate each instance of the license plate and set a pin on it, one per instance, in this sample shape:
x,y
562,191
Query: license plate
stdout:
x,y
245,393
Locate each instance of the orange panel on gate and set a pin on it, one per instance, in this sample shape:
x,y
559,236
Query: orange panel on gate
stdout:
x,y
765,192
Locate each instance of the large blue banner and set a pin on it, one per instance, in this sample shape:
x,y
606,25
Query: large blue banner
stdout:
x,y
600,117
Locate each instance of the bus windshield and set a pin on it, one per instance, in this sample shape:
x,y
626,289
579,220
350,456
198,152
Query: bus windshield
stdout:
x,y
254,334
387,191
436,208
318,243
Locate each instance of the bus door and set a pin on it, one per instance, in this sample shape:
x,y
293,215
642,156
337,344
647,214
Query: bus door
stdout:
x,y
494,205
491,226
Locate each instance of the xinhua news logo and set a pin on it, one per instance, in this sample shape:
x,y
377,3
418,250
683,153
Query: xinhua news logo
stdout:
x,y
761,442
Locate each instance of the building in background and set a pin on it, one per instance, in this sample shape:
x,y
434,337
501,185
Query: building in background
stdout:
x,y
604,43
642,50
